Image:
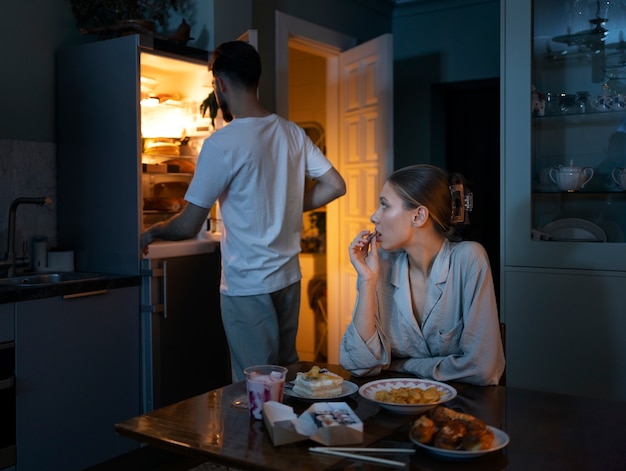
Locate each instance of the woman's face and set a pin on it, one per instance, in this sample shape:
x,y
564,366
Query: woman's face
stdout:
x,y
394,223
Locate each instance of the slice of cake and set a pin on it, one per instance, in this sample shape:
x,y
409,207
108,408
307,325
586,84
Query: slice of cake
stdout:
x,y
318,383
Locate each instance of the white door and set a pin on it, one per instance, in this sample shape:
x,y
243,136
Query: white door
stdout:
x,y
364,159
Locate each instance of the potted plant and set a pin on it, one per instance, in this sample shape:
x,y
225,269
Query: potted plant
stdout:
x,y
114,17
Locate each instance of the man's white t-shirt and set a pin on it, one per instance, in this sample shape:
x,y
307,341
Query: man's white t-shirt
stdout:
x,y
256,167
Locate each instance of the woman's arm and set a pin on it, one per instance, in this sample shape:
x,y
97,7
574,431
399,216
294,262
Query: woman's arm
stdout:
x,y
364,258
362,348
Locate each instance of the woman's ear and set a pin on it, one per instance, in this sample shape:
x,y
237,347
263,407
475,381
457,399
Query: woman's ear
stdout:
x,y
420,215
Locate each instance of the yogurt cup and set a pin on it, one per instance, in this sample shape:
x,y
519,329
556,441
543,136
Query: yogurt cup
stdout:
x,y
264,383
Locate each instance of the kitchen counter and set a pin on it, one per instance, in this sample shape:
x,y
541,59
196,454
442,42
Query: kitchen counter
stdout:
x,y
205,242
9,294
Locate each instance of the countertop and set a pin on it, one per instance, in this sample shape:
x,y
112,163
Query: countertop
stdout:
x,y
205,242
9,294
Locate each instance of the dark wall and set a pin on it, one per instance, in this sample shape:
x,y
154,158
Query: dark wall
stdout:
x,y
367,20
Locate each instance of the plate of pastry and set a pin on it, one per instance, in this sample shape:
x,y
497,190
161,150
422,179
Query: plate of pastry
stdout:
x,y
456,436
407,395
319,384
347,389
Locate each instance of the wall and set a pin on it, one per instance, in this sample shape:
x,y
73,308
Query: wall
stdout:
x,y
27,169
368,19
434,42
307,87
438,42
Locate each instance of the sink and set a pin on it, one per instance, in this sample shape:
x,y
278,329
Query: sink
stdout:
x,y
40,279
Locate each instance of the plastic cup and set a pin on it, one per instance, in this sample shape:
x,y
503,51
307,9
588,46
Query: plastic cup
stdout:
x,y
264,383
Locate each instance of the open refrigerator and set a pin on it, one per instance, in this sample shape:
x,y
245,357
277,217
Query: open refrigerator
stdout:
x,y
130,128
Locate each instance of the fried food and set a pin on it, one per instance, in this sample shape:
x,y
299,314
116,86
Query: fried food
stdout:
x,y
450,436
423,429
478,439
409,395
446,428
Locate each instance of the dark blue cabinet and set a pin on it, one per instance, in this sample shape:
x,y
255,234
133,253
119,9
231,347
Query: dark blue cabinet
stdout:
x,y
77,374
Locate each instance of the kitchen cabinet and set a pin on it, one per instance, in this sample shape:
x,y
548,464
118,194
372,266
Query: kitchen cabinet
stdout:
x,y
77,374
7,322
185,352
564,252
7,386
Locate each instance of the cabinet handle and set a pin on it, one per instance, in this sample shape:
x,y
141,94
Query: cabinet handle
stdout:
x,y
7,383
86,293
165,289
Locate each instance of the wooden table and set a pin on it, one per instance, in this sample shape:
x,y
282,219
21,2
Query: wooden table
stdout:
x,y
547,431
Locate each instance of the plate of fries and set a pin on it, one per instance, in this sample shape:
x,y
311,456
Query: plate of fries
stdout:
x,y
407,395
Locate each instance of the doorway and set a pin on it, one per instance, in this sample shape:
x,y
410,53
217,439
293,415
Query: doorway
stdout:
x,y
359,129
466,134
307,108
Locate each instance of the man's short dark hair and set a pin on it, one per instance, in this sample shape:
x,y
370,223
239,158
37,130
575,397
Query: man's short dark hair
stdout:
x,y
237,61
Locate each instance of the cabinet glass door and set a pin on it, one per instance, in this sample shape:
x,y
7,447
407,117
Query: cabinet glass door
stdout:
x,y
578,121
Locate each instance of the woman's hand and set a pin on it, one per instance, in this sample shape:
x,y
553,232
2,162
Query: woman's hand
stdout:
x,y
364,258
364,255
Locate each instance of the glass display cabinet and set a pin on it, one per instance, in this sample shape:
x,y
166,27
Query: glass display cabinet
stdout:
x,y
578,108
563,235
565,132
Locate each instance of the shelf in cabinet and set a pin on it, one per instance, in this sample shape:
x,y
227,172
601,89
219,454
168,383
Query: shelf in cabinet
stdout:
x,y
579,194
574,119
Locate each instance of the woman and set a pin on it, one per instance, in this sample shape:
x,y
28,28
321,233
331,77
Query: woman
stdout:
x,y
425,304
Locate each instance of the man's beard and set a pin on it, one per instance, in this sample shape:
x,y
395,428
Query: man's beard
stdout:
x,y
223,104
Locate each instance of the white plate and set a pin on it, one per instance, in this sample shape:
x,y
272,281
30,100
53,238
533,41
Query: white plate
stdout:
x,y
574,229
369,390
500,440
347,389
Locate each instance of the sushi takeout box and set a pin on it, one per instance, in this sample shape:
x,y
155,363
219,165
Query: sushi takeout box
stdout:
x,y
328,423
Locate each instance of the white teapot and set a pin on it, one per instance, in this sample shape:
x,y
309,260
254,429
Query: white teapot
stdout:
x,y
570,178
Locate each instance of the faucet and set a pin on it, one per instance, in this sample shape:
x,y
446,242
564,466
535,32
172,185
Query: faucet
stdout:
x,y
11,242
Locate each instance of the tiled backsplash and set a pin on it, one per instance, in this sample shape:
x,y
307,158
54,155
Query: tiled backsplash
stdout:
x,y
27,169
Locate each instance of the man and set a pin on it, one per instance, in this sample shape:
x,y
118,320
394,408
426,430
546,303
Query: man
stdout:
x,y
256,167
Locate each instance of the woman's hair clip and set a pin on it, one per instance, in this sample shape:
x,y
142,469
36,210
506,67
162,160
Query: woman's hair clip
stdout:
x,y
462,203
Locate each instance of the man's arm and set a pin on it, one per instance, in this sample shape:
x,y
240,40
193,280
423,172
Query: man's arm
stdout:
x,y
328,187
185,225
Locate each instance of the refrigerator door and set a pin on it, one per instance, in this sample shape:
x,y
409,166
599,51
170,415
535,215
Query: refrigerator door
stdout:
x,y
107,165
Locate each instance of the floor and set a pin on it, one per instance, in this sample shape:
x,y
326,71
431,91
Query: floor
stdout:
x,y
154,459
